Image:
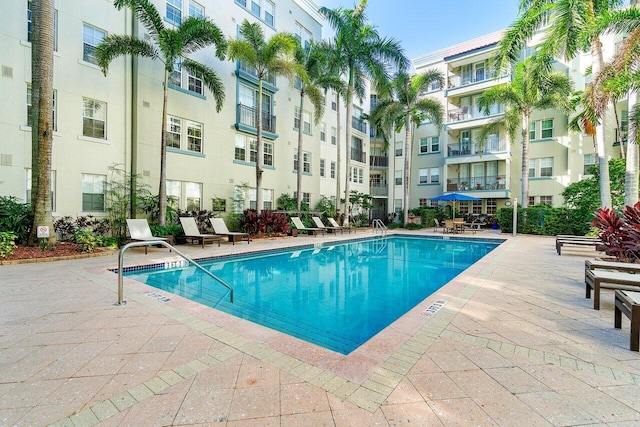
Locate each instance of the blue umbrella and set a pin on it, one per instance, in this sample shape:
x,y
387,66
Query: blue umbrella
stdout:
x,y
453,197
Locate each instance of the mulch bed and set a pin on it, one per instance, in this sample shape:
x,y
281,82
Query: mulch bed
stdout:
x,y
62,250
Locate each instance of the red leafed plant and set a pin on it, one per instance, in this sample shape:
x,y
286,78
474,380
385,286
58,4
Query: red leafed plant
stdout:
x,y
620,235
264,222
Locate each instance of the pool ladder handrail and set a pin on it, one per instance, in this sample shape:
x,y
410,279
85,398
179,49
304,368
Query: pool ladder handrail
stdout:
x,y
377,224
166,245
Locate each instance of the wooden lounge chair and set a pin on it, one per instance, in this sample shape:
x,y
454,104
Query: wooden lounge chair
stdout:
x,y
320,224
627,267
139,231
297,222
192,234
337,226
599,279
575,240
220,228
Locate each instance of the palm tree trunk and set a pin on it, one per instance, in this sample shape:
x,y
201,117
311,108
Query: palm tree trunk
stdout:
x,y
347,144
300,162
407,160
162,190
259,148
42,72
525,160
603,161
618,132
338,164
631,174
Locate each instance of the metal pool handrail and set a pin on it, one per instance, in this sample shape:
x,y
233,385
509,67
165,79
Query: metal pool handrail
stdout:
x,y
377,224
166,245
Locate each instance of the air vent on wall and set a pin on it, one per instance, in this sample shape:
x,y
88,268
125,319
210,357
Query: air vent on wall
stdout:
x,y
6,159
7,71
146,104
146,173
230,180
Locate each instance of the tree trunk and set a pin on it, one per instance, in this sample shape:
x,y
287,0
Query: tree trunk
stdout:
x,y
259,148
631,174
347,145
407,172
338,164
162,187
300,162
42,72
619,132
525,160
603,160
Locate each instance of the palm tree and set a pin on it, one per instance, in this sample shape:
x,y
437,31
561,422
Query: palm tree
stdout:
x,y
42,44
363,52
312,62
409,109
533,88
266,58
171,45
570,30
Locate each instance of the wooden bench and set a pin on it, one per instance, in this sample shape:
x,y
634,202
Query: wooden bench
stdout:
x,y
578,241
602,279
628,302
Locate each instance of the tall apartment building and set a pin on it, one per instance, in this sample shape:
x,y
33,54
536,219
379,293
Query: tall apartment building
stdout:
x,y
451,160
101,121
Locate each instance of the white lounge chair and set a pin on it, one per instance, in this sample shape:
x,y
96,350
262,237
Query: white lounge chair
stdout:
x,y
337,226
192,233
320,224
220,228
602,279
300,226
139,231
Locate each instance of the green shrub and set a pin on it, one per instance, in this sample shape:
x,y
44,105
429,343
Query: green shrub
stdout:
x,y
544,220
7,244
166,230
414,226
15,217
85,240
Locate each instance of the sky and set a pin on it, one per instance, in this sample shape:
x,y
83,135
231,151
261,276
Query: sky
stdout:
x,y
424,26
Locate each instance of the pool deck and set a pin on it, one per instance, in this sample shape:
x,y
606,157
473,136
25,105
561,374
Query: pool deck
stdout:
x,y
515,343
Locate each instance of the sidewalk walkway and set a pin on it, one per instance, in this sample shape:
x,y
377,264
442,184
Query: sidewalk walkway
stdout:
x,y
515,343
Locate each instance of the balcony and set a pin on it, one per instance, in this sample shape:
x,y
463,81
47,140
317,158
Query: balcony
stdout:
x,y
247,120
378,191
359,124
473,112
477,183
379,161
492,146
476,81
245,71
358,156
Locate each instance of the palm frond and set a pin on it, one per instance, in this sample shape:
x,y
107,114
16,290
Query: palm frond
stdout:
x,y
209,77
115,45
146,12
198,33
317,100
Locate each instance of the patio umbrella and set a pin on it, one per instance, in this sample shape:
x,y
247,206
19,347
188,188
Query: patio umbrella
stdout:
x,y
455,197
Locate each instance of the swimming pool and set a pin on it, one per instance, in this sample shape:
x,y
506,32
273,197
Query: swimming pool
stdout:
x,y
336,296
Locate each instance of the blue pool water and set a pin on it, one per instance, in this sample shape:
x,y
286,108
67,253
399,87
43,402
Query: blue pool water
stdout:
x,y
335,296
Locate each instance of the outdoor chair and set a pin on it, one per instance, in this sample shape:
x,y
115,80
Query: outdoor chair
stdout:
x,y
297,222
336,226
192,233
562,240
139,231
320,224
220,228
599,279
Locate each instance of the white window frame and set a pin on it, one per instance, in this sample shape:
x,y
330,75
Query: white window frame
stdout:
x,y
427,144
322,168
176,7
30,107
547,129
94,185
192,191
589,161
196,10
267,198
246,150
90,106
188,133
270,13
323,132
538,167
398,177
303,35
91,38
306,162
423,176
333,170
399,147
174,132
334,135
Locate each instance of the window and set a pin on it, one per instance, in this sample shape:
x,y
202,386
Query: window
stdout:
x,y
306,162
429,176
546,200
30,26
323,132
476,207
464,208
195,83
334,101
91,38
546,128
267,199
397,206
542,167
192,191
434,85
422,203
175,137
306,198
269,12
333,170
532,201
218,205
398,177
94,118
174,11
248,100
532,131
399,148
93,192
430,145
246,150
195,10
175,76
255,7
334,135
30,108
53,189
306,117
589,161
492,206
322,168
357,153
357,175
303,35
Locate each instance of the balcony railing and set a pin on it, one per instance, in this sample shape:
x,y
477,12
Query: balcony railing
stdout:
x,y
248,116
467,148
478,183
359,124
378,190
358,156
473,112
270,78
469,78
378,161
